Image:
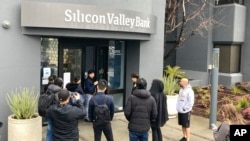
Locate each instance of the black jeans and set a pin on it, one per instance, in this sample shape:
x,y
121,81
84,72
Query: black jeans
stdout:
x,y
156,134
106,129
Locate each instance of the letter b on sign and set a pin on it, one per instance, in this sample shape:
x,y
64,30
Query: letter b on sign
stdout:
x,y
239,132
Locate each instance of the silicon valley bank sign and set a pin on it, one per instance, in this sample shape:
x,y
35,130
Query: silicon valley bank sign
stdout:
x,y
75,16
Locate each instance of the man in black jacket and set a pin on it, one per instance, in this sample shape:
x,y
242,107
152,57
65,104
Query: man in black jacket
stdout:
x,y
140,111
64,117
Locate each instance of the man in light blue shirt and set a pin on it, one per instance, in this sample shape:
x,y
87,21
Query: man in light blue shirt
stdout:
x,y
184,106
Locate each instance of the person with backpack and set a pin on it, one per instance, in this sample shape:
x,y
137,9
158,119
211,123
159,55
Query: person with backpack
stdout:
x,y
140,111
89,89
47,99
101,112
64,116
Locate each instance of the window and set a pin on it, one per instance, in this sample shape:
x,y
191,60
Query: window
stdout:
x,y
49,59
229,58
116,64
221,2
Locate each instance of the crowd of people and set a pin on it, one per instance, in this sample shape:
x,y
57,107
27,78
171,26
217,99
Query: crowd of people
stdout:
x,y
144,109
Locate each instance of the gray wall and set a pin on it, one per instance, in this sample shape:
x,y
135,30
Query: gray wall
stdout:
x,y
20,59
20,52
245,50
151,54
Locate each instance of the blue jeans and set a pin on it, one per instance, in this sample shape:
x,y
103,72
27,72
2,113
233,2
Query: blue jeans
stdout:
x,y
87,99
138,136
49,131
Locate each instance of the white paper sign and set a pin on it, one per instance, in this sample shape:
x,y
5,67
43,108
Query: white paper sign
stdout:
x,y
46,72
66,78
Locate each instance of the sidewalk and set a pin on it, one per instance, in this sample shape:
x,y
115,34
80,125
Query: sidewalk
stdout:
x,y
171,131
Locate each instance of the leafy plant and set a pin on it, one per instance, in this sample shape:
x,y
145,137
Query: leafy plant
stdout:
x,y
236,90
23,103
173,72
205,100
242,104
169,85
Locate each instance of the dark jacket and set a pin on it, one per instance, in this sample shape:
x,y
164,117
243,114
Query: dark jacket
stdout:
x,y
89,86
161,103
133,88
64,119
99,97
140,110
52,88
74,87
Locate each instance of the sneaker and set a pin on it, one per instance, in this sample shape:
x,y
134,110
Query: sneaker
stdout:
x,y
183,139
87,120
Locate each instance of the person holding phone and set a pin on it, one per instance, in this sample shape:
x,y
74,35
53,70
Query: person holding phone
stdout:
x,y
64,117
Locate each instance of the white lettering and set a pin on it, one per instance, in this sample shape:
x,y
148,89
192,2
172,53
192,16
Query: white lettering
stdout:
x,y
110,18
239,132
87,18
68,17
94,18
132,21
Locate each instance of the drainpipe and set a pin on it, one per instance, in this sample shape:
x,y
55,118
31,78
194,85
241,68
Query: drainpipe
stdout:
x,y
214,87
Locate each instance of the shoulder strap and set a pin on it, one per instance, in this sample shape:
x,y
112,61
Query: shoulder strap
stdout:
x,y
105,100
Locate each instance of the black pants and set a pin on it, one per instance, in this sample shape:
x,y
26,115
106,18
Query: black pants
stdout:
x,y
106,129
156,134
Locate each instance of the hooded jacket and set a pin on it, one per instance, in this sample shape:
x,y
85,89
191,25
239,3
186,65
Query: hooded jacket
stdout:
x,y
140,110
54,89
185,100
161,103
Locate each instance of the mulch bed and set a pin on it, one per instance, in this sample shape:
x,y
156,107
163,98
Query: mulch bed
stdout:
x,y
225,96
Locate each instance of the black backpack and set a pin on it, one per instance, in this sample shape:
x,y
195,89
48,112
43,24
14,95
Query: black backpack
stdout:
x,y
101,112
45,100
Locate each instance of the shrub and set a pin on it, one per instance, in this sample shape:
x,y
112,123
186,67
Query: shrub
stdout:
x,y
236,90
242,104
173,72
23,103
169,85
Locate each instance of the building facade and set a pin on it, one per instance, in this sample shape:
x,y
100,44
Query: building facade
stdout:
x,y
195,57
67,38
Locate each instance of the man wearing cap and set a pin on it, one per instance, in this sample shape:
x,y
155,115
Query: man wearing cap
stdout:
x,y
100,98
64,117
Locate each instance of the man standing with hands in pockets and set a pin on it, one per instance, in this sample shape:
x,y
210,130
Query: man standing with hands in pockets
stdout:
x,y
184,106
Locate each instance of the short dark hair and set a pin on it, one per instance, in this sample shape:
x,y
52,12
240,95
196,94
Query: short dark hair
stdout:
x,y
141,83
77,78
59,82
102,84
91,71
135,75
52,78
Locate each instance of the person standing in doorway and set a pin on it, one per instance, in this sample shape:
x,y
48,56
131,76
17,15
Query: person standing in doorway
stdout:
x,y
140,111
161,103
184,106
134,78
89,88
101,112
51,80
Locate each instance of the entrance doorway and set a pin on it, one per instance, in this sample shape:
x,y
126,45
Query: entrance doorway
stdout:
x,y
76,56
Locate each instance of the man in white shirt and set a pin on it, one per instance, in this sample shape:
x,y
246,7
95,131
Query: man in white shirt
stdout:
x,y
184,106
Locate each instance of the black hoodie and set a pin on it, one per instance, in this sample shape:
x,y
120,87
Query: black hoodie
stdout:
x,y
140,110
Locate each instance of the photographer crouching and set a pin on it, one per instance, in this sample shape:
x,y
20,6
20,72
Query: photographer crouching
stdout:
x,y
64,116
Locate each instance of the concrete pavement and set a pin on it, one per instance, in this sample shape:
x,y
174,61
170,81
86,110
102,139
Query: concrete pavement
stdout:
x,y
171,131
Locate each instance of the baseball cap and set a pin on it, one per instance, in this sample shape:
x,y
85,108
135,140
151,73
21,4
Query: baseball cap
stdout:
x,y
63,95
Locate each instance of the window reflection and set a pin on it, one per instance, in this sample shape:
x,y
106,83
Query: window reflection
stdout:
x,y
116,64
49,59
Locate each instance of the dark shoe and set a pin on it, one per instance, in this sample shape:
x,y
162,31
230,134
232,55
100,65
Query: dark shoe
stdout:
x,y
183,139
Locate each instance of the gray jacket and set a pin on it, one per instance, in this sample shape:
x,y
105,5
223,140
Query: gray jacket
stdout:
x,y
140,110
222,133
